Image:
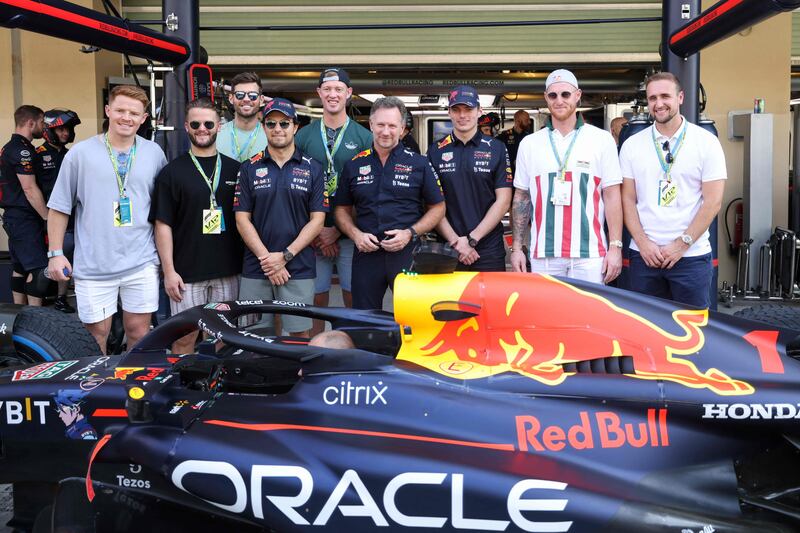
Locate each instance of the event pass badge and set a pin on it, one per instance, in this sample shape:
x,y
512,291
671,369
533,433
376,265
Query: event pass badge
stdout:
x,y
123,213
212,222
667,193
562,191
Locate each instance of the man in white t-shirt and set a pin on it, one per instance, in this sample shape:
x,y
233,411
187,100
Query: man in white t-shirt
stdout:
x,y
674,180
567,186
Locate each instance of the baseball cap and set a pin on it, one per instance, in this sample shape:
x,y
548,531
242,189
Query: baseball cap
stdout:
x,y
334,74
485,120
464,94
281,105
561,75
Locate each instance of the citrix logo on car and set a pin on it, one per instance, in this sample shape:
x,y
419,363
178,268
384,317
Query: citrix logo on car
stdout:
x,y
348,394
294,507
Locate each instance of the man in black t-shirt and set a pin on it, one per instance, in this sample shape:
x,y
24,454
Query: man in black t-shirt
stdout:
x,y
200,250
513,136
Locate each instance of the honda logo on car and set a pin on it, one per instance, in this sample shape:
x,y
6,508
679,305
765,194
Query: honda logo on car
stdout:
x,y
348,394
609,428
753,411
293,507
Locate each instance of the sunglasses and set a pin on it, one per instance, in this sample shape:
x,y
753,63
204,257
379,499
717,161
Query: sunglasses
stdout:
x,y
668,157
252,95
564,95
209,124
284,124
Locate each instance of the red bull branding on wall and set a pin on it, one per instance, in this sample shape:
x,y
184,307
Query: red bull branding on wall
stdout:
x,y
532,324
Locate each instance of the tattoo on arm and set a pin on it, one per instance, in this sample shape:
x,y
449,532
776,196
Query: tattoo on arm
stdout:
x,y
520,215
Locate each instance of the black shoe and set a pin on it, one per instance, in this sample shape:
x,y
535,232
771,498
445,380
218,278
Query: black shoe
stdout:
x,y
63,306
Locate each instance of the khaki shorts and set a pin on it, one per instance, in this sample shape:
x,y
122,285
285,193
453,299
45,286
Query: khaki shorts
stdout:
x,y
295,290
204,292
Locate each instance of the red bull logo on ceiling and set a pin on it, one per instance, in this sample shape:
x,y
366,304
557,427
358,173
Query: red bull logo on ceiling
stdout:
x,y
532,324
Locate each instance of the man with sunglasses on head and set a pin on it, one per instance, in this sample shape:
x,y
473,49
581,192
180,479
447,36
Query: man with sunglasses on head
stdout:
x,y
674,181
568,181
242,138
332,141
200,250
280,207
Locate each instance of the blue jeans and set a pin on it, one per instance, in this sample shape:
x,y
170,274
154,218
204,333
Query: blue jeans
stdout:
x,y
688,282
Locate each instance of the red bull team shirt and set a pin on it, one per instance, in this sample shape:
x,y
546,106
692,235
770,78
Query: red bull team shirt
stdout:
x,y
573,230
18,156
391,196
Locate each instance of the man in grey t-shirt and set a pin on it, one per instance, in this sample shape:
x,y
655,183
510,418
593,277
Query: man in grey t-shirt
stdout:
x,y
108,180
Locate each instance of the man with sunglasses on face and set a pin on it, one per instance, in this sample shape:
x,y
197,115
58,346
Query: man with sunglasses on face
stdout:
x,y
280,207
242,138
192,209
674,181
332,141
568,180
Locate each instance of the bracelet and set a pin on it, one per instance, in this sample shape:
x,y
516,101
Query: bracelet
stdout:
x,y
54,253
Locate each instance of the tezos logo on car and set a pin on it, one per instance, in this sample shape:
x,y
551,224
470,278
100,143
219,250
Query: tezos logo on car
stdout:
x,y
192,476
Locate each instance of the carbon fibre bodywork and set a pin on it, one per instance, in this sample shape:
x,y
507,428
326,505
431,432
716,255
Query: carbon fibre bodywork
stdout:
x,y
487,402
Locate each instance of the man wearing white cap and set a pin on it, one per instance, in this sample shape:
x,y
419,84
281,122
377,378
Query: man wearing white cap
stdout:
x,y
567,185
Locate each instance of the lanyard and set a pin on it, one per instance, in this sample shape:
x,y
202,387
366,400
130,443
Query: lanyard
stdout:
x,y
667,167
122,177
250,141
562,165
212,182
339,138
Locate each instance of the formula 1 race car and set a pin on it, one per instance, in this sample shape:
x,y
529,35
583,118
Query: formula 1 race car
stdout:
x,y
486,402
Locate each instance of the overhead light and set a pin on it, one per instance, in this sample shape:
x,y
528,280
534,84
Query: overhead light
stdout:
x,y
505,71
487,100
370,97
372,72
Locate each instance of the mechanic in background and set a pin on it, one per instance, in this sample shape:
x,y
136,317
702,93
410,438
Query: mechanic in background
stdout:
x,y
59,131
243,137
514,135
568,180
111,177
25,211
387,196
485,123
280,207
332,141
674,181
616,127
408,137
477,184
200,250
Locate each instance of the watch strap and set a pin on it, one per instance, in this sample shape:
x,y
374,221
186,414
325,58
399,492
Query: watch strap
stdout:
x,y
54,253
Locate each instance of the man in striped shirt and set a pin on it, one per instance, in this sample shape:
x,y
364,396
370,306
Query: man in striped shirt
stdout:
x,y
567,185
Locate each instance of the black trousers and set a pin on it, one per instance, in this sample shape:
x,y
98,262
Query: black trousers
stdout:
x,y
373,272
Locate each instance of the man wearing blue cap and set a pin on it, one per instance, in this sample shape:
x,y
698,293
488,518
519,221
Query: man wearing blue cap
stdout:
x,y
568,181
280,207
476,179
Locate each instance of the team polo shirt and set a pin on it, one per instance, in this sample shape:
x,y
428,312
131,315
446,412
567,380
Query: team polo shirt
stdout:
x,y
280,201
50,159
356,138
18,156
251,143
574,230
391,196
698,160
470,173
512,139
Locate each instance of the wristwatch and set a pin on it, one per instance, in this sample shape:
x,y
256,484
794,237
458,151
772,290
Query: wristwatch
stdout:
x,y
616,244
687,239
287,255
472,242
414,235
54,253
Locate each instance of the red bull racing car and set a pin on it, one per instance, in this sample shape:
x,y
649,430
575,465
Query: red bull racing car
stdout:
x,y
486,402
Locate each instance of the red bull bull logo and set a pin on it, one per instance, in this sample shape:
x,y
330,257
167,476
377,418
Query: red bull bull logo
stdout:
x,y
532,324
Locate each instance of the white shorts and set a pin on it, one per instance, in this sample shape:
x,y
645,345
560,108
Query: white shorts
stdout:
x,y
587,269
97,299
204,292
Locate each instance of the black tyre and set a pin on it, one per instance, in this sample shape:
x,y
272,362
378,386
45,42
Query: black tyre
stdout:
x,y
43,334
780,315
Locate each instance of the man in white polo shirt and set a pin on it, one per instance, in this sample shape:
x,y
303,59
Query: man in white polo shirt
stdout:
x,y
674,179
568,182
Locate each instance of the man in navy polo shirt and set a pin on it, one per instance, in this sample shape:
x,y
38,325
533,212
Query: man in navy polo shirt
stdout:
x,y
387,196
476,179
280,207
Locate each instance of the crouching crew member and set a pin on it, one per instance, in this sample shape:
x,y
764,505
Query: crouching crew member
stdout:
x,y
280,207
25,211
476,179
387,196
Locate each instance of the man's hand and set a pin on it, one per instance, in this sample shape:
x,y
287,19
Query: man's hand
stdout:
x,y
398,239
56,266
466,253
673,252
651,253
174,287
518,261
279,278
612,264
366,242
330,251
328,236
272,263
